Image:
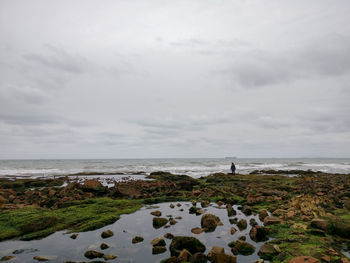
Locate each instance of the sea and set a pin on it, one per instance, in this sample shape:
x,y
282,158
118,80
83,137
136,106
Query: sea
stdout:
x,y
193,167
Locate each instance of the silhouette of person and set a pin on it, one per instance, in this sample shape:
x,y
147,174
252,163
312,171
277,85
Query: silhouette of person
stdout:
x,y
233,168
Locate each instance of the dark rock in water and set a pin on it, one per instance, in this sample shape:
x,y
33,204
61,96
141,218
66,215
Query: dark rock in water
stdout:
x,y
197,230
170,260
193,245
247,210
158,250
107,234
172,206
25,251
137,239
193,210
230,210
242,238
262,214
233,220
91,254
159,222
156,213
110,256
74,236
267,251
6,258
252,222
209,222
204,203
104,246
241,247
172,222
258,233
242,224
158,242
169,236
39,258
198,258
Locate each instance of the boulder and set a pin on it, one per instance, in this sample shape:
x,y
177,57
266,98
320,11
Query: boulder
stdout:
x,y
156,213
242,224
159,222
184,256
267,251
169,236
272,220
192,244
104,246
258,233
319,224
197,230
247,210
262,214
158,242
241,247
107,234
91,254
158,250
198,258
137,239
209,222
109,256
304,259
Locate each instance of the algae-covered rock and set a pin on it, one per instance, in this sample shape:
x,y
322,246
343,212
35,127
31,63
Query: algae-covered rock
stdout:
x,y
137,239
158,250
258,233
104,246
169,260
107,234
262,214
304,259
198,258
159,222
209,222
178,243
230,210
319,224
247,210
6,258
242,224
241,247
91,254
158,242
272,220
267,251
156,213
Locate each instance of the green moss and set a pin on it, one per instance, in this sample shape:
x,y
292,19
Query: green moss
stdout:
x,y
31,223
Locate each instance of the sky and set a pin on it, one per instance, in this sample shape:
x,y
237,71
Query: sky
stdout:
x,y
164,78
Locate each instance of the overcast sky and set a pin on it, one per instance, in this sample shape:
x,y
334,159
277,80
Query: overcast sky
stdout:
x,y
165,78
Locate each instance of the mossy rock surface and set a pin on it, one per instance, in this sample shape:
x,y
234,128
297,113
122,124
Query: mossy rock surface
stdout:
x,y
192,244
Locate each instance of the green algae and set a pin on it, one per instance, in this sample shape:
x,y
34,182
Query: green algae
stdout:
x,y
32,223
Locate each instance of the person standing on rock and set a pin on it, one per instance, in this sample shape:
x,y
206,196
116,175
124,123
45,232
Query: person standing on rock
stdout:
x,y
233,168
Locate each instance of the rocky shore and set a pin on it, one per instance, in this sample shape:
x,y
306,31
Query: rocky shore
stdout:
x,y
306,216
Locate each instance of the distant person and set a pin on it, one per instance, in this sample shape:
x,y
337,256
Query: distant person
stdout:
x,y
233,168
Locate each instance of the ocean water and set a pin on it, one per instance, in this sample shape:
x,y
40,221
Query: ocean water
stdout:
x,y
192,167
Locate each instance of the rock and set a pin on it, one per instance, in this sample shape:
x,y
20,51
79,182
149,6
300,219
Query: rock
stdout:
x,y
158,242
74,236
267,251
91,254
347,204
242,238
242,224
172,222
344,260
169,236
104,246
137,239
272,220
290,214
247,210
319,224
219,203
304,259
259,261
93,183
305,218
109,256
184,256
169,260
6,258
233,230
198,258
230,210
178,204
107,234
193,245
217,255
156,213
233,220
341,228
325,258
252,222
241,247
258,233
262,214
197,230
40,258
193,210
204,203
158,250
178,217
209,222
159,222
172,206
